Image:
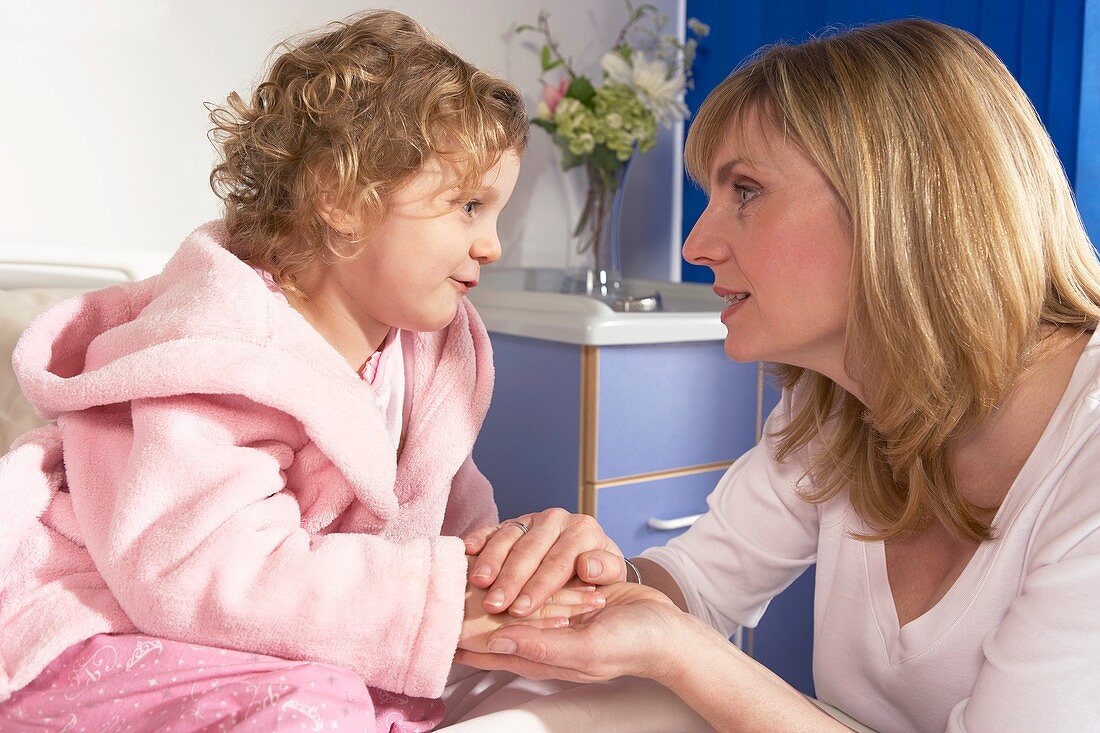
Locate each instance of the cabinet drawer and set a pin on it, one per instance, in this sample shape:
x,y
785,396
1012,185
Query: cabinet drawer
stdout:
x,y
624,510
668,406
529,445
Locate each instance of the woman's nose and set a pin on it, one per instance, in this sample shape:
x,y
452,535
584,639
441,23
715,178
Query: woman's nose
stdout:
x,y
705,244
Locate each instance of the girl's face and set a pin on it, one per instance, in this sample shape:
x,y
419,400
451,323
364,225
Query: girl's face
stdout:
x,y
428,250
778,240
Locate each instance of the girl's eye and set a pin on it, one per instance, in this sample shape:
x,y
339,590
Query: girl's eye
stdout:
x,y
471,207
744,194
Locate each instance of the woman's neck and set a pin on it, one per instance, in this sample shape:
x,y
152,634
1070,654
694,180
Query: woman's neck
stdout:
x,y
988,458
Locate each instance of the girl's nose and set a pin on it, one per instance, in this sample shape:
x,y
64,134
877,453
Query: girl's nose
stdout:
x,y
486,249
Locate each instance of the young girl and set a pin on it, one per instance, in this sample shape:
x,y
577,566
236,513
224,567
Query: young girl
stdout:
x,y
245,511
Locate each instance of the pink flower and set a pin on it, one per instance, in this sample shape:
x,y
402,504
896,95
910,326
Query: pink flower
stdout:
x,y
553,94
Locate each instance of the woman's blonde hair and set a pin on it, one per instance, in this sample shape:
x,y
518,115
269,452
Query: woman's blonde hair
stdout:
x,y
350,113
966,248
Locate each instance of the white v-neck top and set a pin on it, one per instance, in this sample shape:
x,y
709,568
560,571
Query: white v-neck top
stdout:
x,y
1014,645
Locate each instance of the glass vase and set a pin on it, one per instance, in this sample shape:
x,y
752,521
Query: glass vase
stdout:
x,y
594,267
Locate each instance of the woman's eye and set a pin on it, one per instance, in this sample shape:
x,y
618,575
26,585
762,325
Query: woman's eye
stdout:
x,y
744,194
471,207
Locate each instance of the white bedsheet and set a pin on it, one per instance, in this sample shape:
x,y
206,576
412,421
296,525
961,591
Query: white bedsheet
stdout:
x,y
500,702
17,308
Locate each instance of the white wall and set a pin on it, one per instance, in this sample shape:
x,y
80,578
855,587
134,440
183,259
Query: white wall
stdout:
x,y
103,131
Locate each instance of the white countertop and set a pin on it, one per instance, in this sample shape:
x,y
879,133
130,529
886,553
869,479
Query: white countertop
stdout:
x,y
521,302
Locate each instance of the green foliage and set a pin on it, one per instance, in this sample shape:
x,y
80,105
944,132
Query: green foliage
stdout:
x,y
581,89
547,125
568,160
549,63
600,126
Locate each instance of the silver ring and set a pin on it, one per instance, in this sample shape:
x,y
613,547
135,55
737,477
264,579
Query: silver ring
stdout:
x,y
517,523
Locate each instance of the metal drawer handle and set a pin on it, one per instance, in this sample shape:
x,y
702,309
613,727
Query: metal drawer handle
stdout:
x,y
667,525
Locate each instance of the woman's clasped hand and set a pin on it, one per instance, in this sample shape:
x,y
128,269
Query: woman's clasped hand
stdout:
x,y
522,562
619,640
575,598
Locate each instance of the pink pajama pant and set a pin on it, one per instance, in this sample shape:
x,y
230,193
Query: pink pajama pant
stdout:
x,y
134,683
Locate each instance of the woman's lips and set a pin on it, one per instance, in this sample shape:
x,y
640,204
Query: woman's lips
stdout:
x,y
733,298
733,305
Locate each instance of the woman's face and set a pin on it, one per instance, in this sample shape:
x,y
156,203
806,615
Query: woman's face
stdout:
x,y
778,240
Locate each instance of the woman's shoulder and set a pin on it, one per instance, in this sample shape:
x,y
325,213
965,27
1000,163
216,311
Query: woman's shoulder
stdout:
x,y
1060,486
1074,452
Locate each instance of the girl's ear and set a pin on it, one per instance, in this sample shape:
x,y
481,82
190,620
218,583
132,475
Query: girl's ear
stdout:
x,y
340,220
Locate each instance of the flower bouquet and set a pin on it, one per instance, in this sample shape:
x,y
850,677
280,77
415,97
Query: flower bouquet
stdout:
x,y
602,127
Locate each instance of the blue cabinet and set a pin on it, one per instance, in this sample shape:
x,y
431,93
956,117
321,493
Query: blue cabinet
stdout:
x,y
569,422
665,407
625,510
630,434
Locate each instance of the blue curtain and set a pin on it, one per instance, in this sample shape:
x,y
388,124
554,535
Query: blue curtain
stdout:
x,y
1087,177
1043,43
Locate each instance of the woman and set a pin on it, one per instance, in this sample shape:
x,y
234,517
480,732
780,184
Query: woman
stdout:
x,y
890,224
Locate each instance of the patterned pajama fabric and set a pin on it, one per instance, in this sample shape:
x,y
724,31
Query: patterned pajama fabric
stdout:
x,y
134,683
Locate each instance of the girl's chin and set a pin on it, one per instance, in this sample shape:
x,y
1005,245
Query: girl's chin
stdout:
x,y
436,320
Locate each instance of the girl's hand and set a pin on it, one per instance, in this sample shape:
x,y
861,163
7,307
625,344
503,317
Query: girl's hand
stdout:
x,y
640,632
521,569
477,624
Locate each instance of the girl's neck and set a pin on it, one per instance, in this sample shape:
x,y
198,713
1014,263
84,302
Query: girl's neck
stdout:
x,y
331,311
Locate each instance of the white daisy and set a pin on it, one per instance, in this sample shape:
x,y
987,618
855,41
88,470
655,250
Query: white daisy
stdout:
x,y
650,78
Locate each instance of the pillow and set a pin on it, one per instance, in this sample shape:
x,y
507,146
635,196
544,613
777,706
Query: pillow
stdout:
x,y
17,309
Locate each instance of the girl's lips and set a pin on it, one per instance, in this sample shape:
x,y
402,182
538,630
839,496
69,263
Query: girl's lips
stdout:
x,y
464,286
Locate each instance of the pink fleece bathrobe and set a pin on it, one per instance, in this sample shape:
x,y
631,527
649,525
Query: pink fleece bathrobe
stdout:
x,y
219,477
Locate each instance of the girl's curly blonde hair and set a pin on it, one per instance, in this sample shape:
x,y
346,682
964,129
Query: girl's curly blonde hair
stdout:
x,y
350,113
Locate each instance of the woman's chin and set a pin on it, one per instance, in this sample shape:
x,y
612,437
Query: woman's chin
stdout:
x,y
738,350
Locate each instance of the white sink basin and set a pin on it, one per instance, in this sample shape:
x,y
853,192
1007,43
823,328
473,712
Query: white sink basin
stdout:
x,y
525,302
